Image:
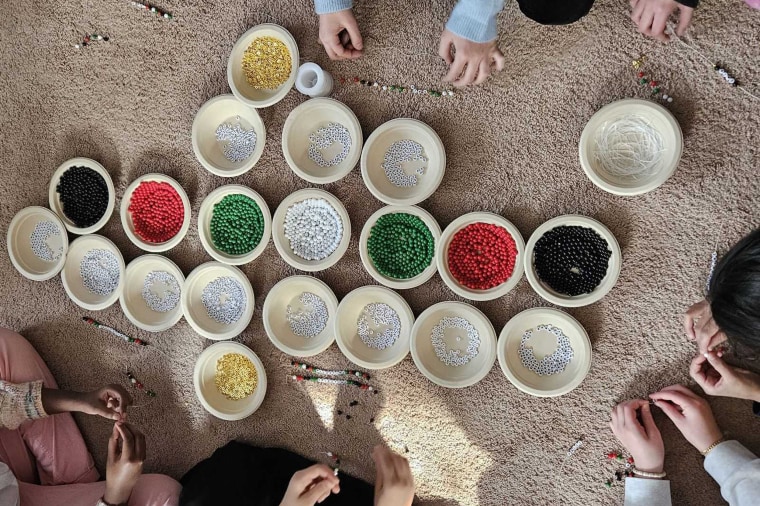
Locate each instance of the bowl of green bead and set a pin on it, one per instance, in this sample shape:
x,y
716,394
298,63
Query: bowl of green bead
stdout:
x,y
397,246
234,224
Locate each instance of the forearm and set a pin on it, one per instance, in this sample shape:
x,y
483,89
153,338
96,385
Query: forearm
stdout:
x,y
475,20
329,6
60,401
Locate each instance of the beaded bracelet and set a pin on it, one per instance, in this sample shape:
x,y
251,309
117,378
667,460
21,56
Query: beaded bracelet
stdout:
x,y
712,446
646,474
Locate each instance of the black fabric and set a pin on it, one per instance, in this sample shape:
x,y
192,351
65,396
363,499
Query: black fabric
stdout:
x,y
689,3
564,12
756,408
238,474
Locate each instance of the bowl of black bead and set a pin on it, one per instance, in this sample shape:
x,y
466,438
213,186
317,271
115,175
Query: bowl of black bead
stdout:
x,y
81,193
572,261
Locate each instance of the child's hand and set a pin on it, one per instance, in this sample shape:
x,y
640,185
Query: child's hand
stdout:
x,y
691,415
471,63
651,16
311,486
718,378
700,326
109,402
126,454
339,34
641,439
394,485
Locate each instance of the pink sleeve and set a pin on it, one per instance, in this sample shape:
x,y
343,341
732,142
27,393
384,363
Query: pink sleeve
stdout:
x,y
20,402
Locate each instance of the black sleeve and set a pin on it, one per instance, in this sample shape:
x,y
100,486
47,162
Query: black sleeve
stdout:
x,y
756,408
689,3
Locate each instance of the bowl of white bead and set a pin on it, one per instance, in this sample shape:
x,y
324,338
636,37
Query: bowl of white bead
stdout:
x,y
93,275
298,316
322,140
228,136
37,243
453,344
544,352
311,230
152,293
217,301
403,162
630,147
373,327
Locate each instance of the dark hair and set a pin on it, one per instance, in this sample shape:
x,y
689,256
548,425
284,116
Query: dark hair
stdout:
x,y
734,293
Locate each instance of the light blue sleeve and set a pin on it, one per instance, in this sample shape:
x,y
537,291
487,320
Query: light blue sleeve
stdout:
x,y
475,20
328,6
737,471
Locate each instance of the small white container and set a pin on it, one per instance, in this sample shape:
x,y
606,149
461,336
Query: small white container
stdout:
x,y
373,155
208,150
313,81
346,329
420,278
57,206
204,376
71,275
126,216
306,119
283,244
432,367
442,256
207,212
613,265
132,302
525,379
236,77
20,247
277,327
194,310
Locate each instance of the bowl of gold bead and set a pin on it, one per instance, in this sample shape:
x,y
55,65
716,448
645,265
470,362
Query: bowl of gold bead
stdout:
x,y
37,243
373,327
230,380
298,316
263,65
228,136
152,292
398,244
234,224
453,344
403,162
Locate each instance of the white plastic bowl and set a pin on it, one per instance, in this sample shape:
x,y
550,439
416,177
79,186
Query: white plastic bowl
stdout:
x,y
126,216
236,78
374,152
132,302
71,275
274,315
420,278
613,265
215,402
207,212
544,342
306,119
208,151
57,206
20,247
442,256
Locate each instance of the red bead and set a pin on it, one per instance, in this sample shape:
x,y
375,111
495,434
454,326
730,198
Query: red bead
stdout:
x,y
482,256
641,74
652,83
356,79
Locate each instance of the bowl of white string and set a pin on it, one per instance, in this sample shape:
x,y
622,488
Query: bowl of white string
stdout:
x,y
630,147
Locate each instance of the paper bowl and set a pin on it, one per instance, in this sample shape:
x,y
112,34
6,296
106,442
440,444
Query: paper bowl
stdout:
x,y
305,120
283,244
194,310
208,151
373,155
432,367
545,343
442,256
420,278
207,212
71,275
236,78
346,332
132,302
57,206
20,249
659,118
214,401
126,215
276,325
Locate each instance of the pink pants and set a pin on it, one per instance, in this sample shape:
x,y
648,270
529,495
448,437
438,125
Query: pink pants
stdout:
x,y
48,457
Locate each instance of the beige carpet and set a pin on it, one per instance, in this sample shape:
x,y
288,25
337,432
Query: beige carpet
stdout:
x,y
512,149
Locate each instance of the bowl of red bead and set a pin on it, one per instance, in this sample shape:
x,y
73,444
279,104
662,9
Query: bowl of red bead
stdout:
x,y
155,212
397,246
572,260
480,256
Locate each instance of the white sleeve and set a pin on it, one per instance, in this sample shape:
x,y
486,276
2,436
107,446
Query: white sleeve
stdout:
x,y
644,492
8,487
737,471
